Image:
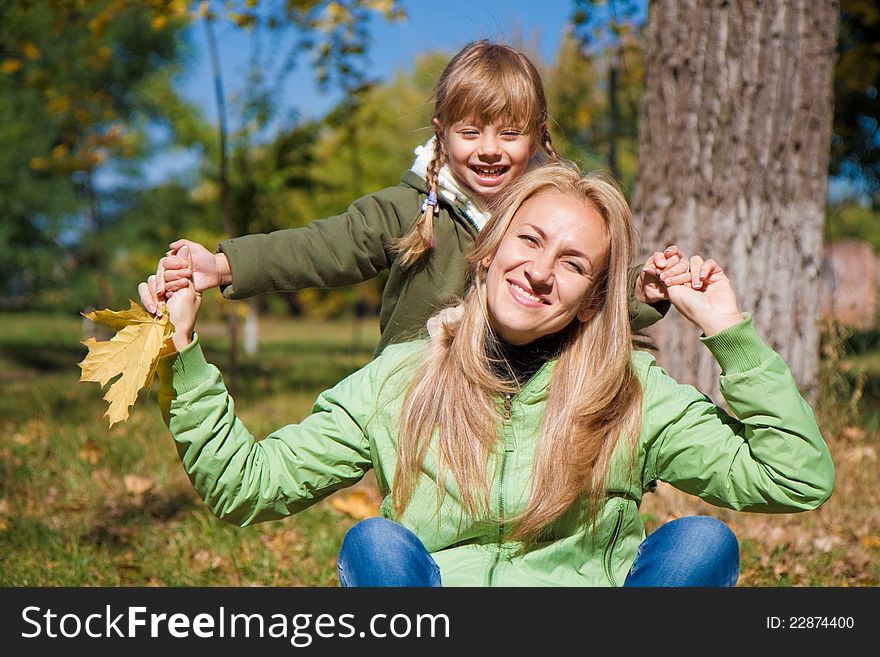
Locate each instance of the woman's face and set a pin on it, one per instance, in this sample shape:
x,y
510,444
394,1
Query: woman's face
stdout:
x,y
552,253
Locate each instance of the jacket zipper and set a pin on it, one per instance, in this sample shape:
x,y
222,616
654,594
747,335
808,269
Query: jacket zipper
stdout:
x,y
508,403
610,547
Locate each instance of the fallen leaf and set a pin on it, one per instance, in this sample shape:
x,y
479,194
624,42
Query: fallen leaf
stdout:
x,y
357,504
138,485
870,541
864,453
134,352
205,560
89,453
853,433
826,543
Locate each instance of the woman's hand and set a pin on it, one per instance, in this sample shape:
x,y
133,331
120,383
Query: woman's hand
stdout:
x,y
182,307
671,265
706,297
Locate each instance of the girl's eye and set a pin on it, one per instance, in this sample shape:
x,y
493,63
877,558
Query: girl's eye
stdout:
x,y
529,239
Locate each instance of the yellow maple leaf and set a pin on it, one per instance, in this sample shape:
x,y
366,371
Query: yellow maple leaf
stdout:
x,y
134,352
357,504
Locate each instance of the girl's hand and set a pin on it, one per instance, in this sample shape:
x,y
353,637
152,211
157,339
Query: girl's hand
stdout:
x,y
182,307
706,298
200,267
670,265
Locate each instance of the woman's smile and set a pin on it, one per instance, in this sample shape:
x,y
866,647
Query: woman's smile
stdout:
x,y
524,295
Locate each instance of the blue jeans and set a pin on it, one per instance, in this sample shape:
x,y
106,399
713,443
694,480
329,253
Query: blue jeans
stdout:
x,y
691,551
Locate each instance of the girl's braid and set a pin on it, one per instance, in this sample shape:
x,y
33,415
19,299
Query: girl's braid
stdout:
x,y
547,143
421,238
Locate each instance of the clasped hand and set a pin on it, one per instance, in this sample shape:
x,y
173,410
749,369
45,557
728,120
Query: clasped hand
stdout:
x,y
182,307
699,289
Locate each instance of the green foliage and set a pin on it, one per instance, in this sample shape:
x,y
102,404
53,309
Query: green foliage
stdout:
x,y
71,103
583,125
855,146
35,207
596,87
853,221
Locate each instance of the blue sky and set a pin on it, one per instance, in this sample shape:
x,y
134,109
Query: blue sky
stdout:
x,y
430,26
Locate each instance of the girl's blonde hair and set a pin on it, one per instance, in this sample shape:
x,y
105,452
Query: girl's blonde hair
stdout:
x,y
594,396
485,82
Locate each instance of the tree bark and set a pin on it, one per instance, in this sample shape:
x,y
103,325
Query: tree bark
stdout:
x,y
734,139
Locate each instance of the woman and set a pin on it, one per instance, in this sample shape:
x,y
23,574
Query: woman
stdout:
x,y
514,446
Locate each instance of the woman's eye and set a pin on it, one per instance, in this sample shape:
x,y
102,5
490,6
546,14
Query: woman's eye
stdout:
x,y
575,266
529,239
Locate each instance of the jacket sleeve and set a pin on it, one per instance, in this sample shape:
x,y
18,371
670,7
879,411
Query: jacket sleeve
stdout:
x,y
244,481
341,250
770,458
643,315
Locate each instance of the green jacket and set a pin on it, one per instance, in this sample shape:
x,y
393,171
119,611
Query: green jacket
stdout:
x,y
355,246
772,459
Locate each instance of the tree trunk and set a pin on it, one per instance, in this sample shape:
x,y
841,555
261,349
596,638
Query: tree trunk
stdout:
x,y
735,124
225,202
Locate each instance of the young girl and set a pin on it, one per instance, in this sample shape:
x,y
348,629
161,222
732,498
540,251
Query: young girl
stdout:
x,y
514,446
490,122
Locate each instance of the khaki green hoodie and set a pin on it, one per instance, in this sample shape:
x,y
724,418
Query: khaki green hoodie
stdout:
x,y
355,246
771,458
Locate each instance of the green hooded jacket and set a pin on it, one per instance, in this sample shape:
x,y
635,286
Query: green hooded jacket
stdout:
x,y
771,458
355,246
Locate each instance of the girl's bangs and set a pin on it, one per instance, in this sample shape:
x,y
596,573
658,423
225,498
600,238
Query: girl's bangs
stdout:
x,y
502,99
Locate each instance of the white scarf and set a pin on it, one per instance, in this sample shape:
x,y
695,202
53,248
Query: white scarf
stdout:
x,y
447,187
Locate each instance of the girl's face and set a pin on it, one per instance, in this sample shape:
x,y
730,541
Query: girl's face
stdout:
x,y
538,280
484,159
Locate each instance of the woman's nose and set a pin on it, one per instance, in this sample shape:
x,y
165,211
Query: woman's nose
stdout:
x,y
539,274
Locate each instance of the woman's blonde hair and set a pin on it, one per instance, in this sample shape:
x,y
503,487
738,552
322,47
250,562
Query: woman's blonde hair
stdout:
x,y
594,396
485,82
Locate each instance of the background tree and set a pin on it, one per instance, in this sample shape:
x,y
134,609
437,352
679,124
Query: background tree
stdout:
x,y
605,32
735,127
72,71
855,146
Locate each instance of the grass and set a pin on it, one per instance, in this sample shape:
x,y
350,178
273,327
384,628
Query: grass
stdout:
x,y
81,505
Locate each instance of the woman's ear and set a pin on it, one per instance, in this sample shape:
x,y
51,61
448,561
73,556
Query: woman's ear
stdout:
x,y
486,261
586,313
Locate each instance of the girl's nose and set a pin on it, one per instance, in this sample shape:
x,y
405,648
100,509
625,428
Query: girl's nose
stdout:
x,y
489,146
